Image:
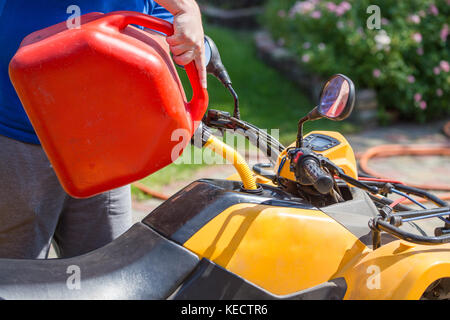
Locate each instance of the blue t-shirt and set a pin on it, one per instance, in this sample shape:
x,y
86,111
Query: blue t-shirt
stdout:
x,y
19,18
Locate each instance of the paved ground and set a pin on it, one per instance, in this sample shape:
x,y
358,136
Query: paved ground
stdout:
x,y
412,169
409,169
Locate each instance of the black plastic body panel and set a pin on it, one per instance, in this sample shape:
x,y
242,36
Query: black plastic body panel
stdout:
x,y
186,212
141,264
212,282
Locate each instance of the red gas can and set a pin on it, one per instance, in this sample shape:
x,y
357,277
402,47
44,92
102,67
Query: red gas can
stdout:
x,y
105,99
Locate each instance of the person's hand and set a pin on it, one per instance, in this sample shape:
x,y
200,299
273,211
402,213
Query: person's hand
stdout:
x,y
188,41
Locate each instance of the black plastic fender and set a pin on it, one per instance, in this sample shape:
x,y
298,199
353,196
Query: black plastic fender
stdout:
x,y
140,264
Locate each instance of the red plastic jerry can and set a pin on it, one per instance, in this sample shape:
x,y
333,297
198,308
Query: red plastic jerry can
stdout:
x,y
105,99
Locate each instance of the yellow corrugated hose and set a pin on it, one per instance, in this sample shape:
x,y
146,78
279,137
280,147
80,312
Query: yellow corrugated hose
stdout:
x,y
236,159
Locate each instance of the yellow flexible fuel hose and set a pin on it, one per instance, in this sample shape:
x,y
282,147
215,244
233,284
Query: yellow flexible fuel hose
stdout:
x,y
236,159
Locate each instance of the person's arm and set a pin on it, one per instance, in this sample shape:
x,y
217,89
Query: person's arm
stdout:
x,y
188,41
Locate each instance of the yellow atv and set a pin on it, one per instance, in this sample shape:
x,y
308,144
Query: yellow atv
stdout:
x,y
305,226
310,221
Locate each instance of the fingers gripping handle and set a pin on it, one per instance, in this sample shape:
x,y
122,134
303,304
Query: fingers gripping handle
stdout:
x,y
197,106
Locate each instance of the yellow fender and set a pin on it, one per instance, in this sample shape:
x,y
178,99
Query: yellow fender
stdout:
x,y
397,270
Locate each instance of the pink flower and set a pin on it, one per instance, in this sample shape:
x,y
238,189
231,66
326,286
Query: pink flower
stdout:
x,y
316,14
434,10
331,6
439,92
444,32
339,11
420,51
417,97
423,105
436,70
445,66
306,45
342,8
306,58
422,13
414,19
301,7
411,79
417,37
384,21
346,5
376,73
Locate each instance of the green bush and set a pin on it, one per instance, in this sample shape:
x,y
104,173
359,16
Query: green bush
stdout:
x,y
406,61
235,4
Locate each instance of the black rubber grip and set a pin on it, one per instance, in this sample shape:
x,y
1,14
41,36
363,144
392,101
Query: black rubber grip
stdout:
x,y
321,180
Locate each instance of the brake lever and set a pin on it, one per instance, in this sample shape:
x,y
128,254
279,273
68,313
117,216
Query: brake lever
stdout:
x,y
341,174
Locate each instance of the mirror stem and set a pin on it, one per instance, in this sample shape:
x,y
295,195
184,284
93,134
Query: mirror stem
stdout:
x,y
313,115
226,81
236,112
299,143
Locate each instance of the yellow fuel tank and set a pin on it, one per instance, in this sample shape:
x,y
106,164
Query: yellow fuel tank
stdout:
x,y
281,249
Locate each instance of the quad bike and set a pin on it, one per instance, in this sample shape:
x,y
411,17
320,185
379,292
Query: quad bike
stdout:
x,y
304,226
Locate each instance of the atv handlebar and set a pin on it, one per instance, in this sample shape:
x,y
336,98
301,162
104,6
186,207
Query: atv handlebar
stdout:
x,y
321,180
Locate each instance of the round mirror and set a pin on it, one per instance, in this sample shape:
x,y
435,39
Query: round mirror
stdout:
x,y
337,98
208,52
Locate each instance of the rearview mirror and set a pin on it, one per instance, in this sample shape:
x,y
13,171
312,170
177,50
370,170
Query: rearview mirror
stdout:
x,y
337,98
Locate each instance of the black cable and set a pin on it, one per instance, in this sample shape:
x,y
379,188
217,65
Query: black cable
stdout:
x,y
421,193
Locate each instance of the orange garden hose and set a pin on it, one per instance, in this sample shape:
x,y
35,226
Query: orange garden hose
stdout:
x,y
402,150
149,191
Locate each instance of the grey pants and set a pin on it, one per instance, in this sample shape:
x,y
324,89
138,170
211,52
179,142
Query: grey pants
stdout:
x,y
34,209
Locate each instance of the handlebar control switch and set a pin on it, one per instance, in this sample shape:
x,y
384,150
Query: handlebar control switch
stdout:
x,y
306,166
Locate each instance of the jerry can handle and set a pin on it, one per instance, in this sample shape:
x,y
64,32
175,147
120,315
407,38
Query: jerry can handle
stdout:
x,y
199,102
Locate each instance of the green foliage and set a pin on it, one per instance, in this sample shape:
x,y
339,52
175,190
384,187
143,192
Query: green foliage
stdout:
x,y
235,4
406,61
267,100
